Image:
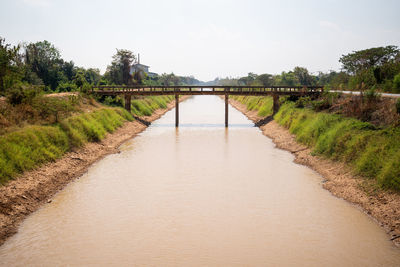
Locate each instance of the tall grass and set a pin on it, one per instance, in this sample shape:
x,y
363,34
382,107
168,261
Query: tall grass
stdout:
x,y
261,104
372,152
147,105
31,146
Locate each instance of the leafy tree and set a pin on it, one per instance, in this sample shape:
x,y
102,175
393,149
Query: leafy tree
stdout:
x,y
287,79
303,76
69,70
119,70
79,78
358,61
169,79
45,61
265,79
93,76
9,70
249,80
396,83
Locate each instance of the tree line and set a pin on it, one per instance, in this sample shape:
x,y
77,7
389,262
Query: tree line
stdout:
x,y
40,65
374,68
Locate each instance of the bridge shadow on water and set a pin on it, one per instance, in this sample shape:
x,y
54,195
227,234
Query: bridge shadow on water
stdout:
x,y
204,125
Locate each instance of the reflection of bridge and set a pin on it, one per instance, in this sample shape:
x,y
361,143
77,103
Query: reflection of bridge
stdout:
x,y
274,91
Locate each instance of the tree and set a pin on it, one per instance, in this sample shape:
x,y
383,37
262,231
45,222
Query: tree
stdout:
x,y
358,61
287,79
9,61
303,76
45,61
169,79
93,76
119,70
265,79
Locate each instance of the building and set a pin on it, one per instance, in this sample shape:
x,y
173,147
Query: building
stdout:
x,y
137,66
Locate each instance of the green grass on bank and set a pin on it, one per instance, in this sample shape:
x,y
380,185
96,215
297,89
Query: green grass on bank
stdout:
x,y
147,105
261,104
33,145
371,151
28,147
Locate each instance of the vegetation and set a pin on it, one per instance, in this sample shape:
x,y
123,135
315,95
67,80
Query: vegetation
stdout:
x,y
372,151
261,104
33,145
374,68
147,105
40,64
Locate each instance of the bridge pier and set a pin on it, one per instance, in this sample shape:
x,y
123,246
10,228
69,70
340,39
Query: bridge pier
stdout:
x,y
176,110
128,102
275,106
226,109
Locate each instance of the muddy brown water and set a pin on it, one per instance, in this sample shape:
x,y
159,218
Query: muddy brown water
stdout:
x,y
200,195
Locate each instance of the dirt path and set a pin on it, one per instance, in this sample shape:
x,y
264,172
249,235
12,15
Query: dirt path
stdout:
x,y
381,205
24,195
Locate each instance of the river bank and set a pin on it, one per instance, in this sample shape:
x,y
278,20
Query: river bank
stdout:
x,y
383,206
25,194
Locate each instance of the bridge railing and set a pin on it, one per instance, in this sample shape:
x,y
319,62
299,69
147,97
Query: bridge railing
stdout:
x,y
227,89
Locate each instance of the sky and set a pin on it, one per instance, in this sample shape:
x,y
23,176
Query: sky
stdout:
x,y
205,38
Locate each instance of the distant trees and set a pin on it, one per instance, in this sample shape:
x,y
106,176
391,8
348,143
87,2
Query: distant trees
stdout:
x,y
41,64
9,62
119,70
44,61
374,67
299,76
362,60
302,76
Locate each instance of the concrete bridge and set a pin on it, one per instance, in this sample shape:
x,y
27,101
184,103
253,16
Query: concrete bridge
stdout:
x,y
274,91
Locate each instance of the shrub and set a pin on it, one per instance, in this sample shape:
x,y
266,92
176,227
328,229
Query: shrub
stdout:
x,y
396,83
303,101
67,87
85,88
22,93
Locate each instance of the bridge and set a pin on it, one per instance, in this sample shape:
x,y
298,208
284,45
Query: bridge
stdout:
x,y
226,91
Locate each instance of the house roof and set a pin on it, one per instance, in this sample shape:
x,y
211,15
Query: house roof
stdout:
x,y
138,64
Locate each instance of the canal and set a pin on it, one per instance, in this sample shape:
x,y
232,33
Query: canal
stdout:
x,y
199,195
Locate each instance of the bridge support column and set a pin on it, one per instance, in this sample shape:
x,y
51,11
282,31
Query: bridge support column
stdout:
x,y
275,108
176,110
128,102
226,109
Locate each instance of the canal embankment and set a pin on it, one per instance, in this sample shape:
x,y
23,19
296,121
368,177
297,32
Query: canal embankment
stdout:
x,y
39,160
295,130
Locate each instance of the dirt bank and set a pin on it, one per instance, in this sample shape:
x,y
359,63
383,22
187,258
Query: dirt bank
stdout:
x,y
28,192
381,205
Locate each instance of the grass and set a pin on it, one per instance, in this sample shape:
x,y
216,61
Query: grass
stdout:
x,y
371,152
26,148
262,104
147,105
33,145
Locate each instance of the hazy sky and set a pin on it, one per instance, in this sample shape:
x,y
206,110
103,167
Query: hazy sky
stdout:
x,y
205,38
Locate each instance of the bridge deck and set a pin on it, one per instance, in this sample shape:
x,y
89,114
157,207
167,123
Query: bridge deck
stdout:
x,y
206,90
275,91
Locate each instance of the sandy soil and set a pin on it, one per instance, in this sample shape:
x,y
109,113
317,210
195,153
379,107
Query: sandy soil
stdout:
x,y
382,206
25,194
